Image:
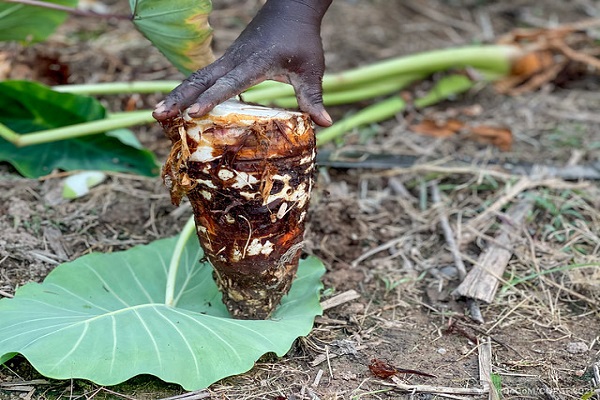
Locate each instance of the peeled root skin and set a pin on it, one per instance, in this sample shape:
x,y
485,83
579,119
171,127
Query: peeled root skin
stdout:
x,y
248,173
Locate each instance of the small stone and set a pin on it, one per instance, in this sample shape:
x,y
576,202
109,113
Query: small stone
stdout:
x,y
577,347
345,346
348,376
449,271
442,351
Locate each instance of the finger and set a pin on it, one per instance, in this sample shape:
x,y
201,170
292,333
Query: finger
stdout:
x,y
248,74
309,93
188,91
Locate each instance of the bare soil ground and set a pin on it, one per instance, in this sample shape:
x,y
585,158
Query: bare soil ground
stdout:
x,y
378,231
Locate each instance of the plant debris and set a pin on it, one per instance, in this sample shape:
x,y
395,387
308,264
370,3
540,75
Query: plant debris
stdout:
x,y
500,137
383,369
553,55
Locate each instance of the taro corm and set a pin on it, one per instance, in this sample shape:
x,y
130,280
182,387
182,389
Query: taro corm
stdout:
x,y
248,173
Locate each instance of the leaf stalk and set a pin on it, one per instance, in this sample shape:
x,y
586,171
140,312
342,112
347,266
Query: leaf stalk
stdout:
x,y
114,121
445,88
110,88
184,236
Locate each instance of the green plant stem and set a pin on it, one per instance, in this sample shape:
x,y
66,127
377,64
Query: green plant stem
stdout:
x,y
114,121
496,59
377,112
8,134
109,88
184,236
354,94
445,88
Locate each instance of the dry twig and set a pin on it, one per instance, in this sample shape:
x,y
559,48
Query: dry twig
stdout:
x,y
398,384
340,299
448,233
196,395
482,281
485,368
456,254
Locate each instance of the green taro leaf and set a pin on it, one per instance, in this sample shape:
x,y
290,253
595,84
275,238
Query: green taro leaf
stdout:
x,y
102,317
180,30
27,24
27,107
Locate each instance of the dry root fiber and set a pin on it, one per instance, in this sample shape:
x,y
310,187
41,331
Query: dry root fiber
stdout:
x,y
248,173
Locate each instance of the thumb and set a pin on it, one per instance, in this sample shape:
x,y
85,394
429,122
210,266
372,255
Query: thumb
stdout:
x,y
309,93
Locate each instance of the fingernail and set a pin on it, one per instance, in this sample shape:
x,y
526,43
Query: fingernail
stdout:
x,y
160,108
325,115
194,109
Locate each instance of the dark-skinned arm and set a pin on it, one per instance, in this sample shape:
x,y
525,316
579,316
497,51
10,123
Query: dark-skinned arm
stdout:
x,y
282,42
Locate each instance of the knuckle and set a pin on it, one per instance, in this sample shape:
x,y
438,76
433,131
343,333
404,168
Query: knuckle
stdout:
x,y
310,100
310,94
199,80
231,83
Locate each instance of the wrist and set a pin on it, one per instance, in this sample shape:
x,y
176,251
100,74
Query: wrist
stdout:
x,y
306,11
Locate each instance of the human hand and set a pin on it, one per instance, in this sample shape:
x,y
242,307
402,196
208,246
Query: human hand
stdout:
x,y
281,43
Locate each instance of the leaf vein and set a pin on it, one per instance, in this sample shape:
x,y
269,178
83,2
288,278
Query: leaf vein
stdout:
x,y
107,286
215,334
156,349
184,339
75,346
139,284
